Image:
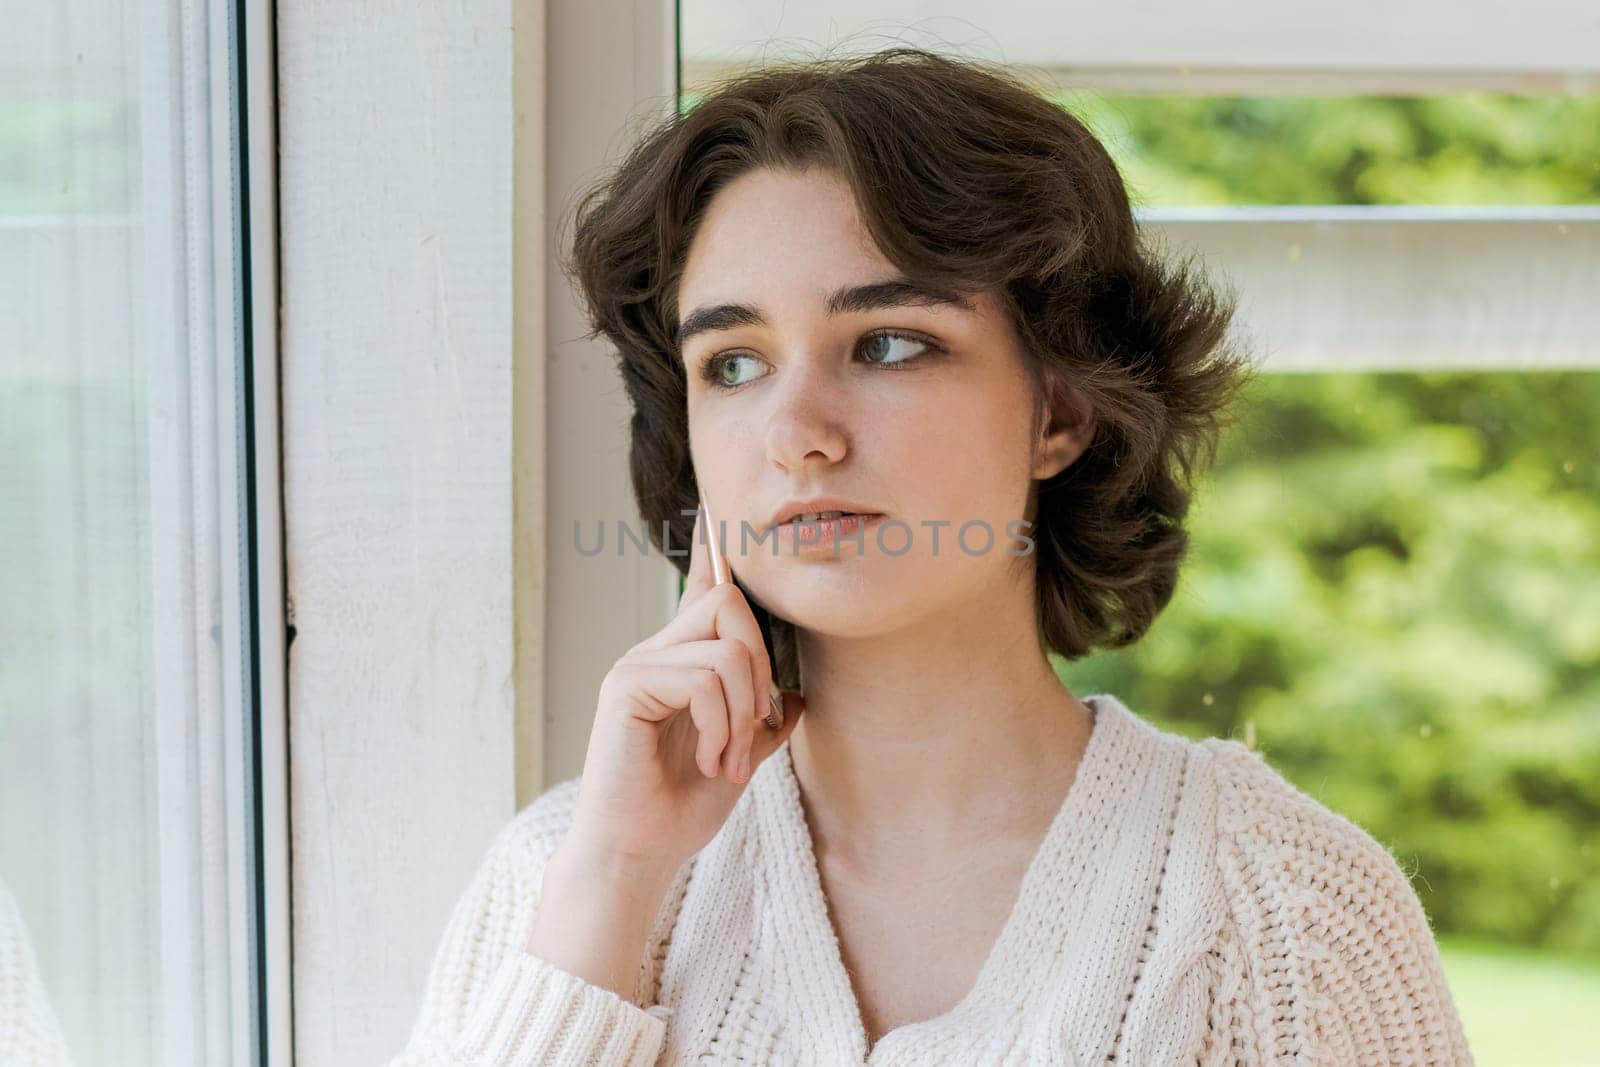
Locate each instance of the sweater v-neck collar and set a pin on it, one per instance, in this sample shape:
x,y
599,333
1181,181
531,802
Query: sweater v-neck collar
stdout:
x,y
1052,889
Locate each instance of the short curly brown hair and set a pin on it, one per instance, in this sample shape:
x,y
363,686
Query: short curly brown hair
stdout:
x,y
967,177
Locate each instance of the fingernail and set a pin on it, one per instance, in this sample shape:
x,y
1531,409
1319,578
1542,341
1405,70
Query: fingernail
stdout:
x,y
775,720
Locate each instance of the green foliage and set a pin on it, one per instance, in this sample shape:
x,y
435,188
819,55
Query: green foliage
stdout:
x,y
1456,149
1393,590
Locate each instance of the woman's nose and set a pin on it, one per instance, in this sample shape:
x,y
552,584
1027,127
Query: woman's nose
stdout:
x,y
808,420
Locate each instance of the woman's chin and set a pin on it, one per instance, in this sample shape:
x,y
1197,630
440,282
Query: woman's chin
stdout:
x,y
837,609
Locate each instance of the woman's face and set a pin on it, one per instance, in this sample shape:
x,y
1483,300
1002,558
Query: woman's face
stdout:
x,y
918,412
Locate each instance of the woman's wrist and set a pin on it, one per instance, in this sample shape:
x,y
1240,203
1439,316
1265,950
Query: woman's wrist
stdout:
x,y
595,914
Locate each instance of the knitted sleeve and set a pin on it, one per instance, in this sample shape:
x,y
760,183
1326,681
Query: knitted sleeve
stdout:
x,y
489,1001
1342,967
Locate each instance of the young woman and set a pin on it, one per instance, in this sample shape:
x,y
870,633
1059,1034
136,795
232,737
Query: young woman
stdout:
x,y
908,288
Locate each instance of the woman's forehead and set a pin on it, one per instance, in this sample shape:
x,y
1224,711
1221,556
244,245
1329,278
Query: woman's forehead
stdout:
x,y
783,242
779,233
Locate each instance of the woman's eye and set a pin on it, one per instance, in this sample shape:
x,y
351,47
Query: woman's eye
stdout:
x,y
883,343
720,375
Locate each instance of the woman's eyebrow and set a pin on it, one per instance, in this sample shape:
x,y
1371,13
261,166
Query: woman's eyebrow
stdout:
x,y
895,292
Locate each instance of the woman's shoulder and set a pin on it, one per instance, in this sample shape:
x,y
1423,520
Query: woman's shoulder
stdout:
x,y
1251,807
1265,819
1339,942
1272,836
1281,840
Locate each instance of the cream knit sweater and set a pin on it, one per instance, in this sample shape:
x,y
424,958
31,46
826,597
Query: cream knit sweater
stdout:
x,y
1187,905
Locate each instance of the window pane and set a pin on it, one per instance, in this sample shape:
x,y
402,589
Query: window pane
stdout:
x,y
126,871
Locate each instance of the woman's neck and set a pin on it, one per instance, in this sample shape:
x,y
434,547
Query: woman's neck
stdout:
x,y
926,743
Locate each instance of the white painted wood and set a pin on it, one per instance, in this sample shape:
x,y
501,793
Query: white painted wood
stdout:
x,y
597,607
1338,289
1451,40
530,268
395,133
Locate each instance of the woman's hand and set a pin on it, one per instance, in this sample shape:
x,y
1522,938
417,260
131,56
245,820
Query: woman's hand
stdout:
x,y
678,731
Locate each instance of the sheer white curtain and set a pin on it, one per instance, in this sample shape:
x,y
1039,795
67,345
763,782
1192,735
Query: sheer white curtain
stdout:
x,y
126,855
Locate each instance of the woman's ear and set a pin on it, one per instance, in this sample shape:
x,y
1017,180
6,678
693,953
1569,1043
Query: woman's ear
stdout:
x,y
1067,427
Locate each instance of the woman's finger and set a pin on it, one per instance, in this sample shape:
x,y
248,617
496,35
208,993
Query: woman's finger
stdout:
x,y
721,611
734,663
660,692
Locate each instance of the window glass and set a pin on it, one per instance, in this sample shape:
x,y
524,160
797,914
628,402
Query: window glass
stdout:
x,y
126,871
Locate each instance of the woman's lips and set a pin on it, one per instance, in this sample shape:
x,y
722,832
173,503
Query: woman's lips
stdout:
x,y
823,534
